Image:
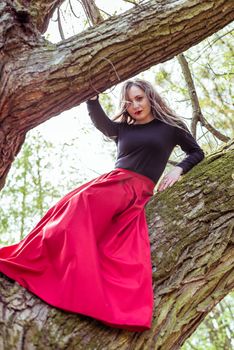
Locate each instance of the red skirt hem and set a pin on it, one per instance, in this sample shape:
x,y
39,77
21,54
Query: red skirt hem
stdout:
x,y
90,253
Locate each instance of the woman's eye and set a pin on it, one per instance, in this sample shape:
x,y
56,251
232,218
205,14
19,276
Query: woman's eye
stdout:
x,y
125,104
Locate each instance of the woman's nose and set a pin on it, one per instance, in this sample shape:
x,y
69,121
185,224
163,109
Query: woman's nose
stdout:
x,y
135,104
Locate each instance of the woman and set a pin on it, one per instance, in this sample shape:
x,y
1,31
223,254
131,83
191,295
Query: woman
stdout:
x,y
90,253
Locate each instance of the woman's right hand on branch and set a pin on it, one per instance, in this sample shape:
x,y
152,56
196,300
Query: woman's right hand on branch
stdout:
x,y
170,178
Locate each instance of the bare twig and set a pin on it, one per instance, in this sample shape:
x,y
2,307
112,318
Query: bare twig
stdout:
x,y
210,43
92,12
114,69
133,2
60,24
192,92
214,131
72,10
197,113
106,13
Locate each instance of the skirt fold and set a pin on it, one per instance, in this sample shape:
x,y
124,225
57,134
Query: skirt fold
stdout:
x,y
90,253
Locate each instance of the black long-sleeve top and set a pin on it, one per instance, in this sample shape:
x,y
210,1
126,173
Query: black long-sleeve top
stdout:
x,y
146,148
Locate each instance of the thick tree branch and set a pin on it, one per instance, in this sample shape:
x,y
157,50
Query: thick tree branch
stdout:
x,y
16,30
82,58
193,262
197,113
40,80
40,11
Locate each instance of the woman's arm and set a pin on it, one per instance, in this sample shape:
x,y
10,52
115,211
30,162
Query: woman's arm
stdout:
x,y
194,155
190,146
100,119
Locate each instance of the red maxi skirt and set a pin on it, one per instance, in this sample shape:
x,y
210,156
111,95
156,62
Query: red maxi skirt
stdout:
x,y
90,253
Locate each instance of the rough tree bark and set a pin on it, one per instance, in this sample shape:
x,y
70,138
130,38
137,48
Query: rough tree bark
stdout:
x,y
39,80
191,224
192,235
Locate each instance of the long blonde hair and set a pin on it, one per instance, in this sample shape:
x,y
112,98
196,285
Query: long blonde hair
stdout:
x,y
159,107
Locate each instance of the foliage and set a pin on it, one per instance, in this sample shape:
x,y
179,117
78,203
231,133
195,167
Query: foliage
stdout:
x,y
216,332
212,70
28,192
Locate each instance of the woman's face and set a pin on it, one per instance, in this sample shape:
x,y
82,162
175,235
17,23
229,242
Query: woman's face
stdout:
x,y
138,105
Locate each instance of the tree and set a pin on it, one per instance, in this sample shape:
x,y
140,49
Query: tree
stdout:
x,y
192,257
187,283
40,80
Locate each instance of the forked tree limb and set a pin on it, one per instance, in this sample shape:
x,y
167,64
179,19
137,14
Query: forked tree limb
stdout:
x,y
40,80
191,229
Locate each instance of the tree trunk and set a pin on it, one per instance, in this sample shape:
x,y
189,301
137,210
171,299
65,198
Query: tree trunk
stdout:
x,y
39,80
192,233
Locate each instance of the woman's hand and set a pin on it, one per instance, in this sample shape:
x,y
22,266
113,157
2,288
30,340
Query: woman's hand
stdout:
x,y
94,98
170,178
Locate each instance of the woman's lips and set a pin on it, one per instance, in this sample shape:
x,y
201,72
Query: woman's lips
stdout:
x,y
137,113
